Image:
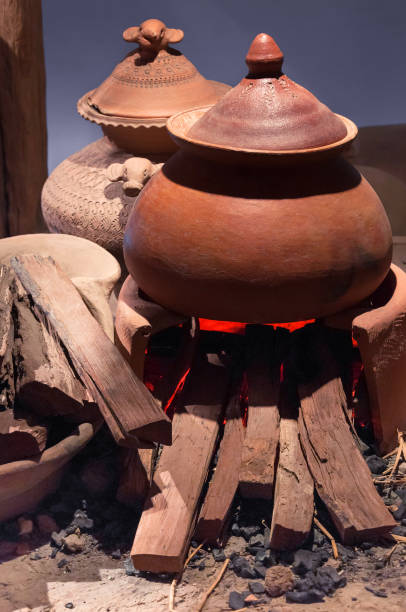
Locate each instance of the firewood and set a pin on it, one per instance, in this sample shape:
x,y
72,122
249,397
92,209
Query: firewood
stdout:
x,y
294,490
264,350
45,381
23,133
127,406
136,466
7,387
166,524
224,483
22,435
341,476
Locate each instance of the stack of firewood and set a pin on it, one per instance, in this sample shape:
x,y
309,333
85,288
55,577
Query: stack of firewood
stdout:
x,y
55,360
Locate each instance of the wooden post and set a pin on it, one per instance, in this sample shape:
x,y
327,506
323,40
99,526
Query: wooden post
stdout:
x,y
23,146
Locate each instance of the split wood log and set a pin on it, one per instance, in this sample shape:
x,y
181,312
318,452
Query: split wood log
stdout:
x,y
22,435
46,383
135,475
127,406
341,476
293,508
22,116
166,524
216,507
264,354
7,387
137,318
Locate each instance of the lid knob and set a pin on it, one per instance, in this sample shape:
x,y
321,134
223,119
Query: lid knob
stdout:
x,y
264,58
152,36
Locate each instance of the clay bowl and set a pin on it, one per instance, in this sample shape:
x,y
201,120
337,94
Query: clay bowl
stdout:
x,y
92,269
179,125
23,484
141,136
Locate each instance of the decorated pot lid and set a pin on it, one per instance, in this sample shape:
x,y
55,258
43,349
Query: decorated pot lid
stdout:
x,y
151,83
267,110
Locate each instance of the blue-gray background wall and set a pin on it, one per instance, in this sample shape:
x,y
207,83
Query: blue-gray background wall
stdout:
x,y
350,53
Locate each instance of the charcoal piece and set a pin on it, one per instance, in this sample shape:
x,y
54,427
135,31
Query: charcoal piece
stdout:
x,y
376,464
306,561
218,554
62,562
257,541
248,531
235,529
318,538
201,566
248,572
257,588
236,601
400,513
307,597
399,530
34,556
328,580
116,554
376,592
364,448
260,570
57,538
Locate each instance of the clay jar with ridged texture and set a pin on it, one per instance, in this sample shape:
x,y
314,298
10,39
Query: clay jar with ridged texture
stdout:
x,y
257,218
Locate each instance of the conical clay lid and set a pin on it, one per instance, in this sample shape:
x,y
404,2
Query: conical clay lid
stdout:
x,y
153,80
268,111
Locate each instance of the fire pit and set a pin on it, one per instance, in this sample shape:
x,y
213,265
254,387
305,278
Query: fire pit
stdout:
x,y
257,219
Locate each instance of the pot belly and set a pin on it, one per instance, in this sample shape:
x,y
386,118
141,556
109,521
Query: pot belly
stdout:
x,y
214,252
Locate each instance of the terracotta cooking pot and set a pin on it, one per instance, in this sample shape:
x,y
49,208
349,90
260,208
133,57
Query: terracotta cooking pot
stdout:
x,y
257,218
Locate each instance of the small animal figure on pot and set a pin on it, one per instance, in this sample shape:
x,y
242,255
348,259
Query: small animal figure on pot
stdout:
x,y
134,173
152,36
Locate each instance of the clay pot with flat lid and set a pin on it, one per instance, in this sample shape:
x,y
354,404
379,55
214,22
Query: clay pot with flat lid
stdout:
x,y
153,82
257,218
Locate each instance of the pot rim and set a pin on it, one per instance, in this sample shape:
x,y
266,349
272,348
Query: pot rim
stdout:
x,y
179,124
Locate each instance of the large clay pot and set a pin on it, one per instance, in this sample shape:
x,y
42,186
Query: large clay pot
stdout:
x,y
258,218
132,106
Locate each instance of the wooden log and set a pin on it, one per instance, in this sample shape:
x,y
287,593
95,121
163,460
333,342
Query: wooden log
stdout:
x,y
167,521
264,350
216,507
22,114
7,387
341,476
46,383
293,508
136,466
127,406
137,318
22,435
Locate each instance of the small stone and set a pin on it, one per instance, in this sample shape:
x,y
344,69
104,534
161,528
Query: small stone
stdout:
x,y
35,556
57,538
129,568
69,605
7,548
116,554
73,544
236,601
278,580
400,512
46,524
62,563
256,587
306,561
218,554
375,464
311,596
251,599
402,467
25,527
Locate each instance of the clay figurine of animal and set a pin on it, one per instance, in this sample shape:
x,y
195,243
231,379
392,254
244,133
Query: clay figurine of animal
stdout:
x,y
134,173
